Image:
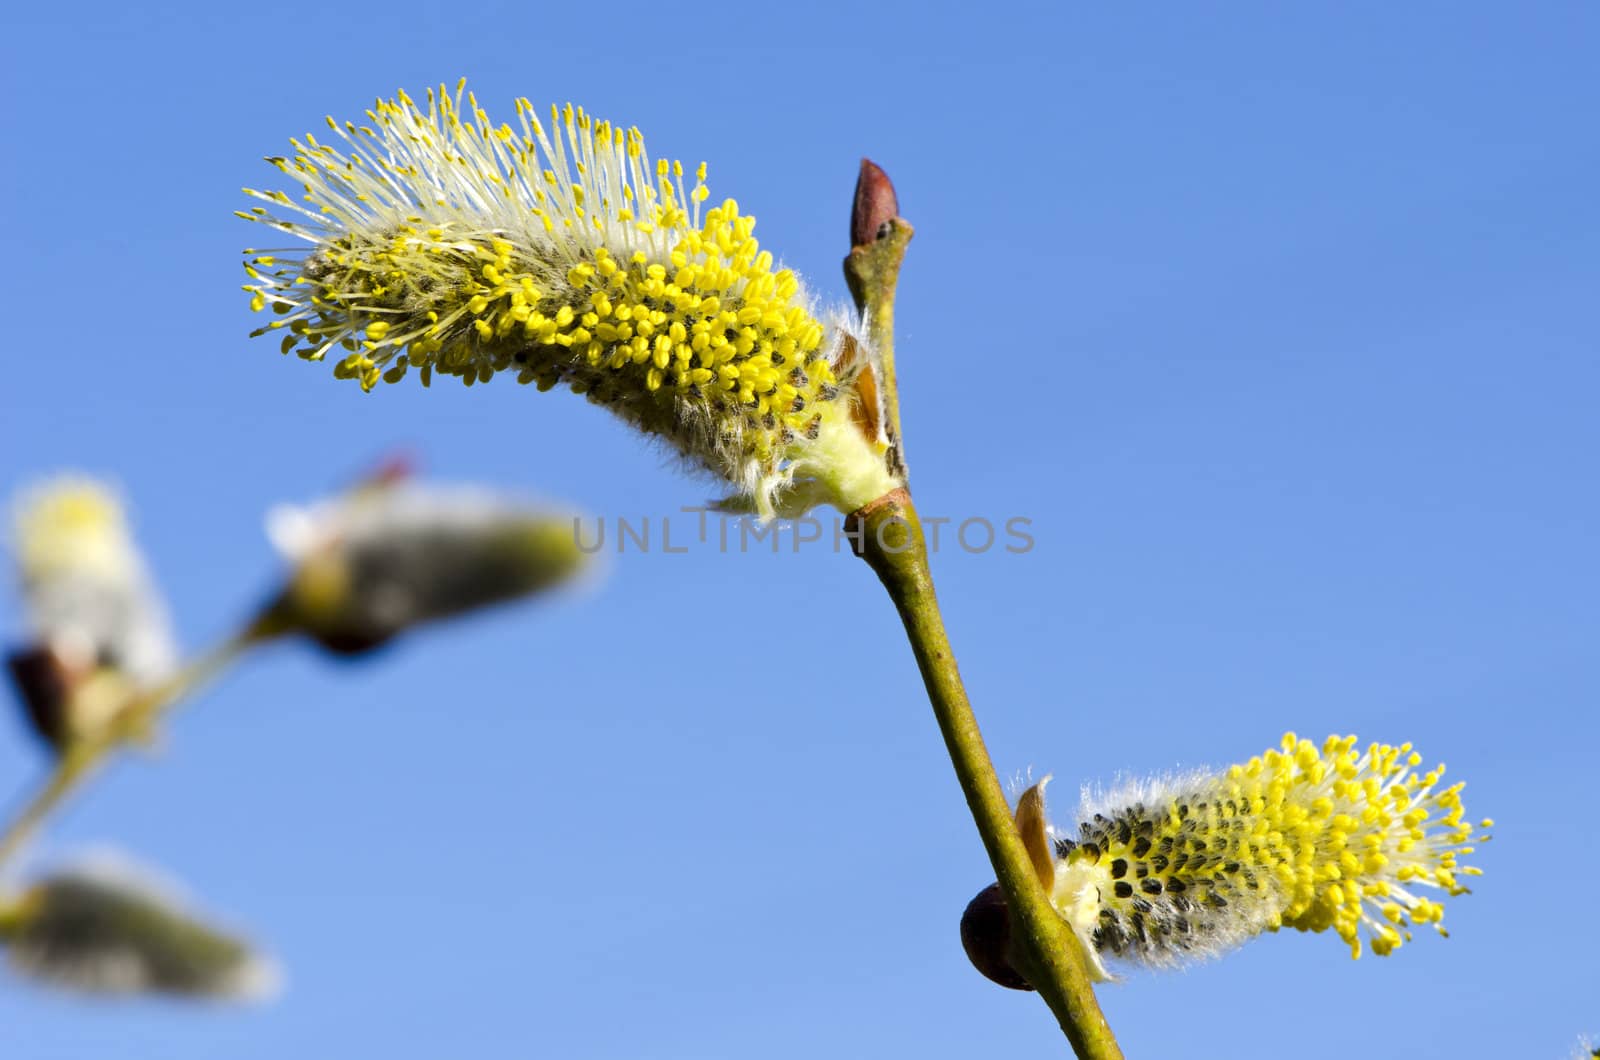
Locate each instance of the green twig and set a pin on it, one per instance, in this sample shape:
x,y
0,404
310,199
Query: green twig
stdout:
x,y
889,537
891,542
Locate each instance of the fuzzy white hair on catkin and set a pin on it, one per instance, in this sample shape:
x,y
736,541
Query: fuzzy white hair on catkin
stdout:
x,y
377,513
114,867
1216,932
1128,790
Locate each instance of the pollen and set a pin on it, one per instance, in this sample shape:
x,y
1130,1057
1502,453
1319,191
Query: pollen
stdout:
x,y
553,251
1357,841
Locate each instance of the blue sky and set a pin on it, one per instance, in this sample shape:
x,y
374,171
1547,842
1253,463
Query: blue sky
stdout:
x,y
1279,326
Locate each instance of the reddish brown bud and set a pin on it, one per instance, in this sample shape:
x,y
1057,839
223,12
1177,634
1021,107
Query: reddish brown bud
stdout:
x,y
986,936
395,467
875,205
45,684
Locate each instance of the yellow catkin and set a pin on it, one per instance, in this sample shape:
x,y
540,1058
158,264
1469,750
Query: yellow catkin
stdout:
x,y
72,525
88,593
443,242
1316,838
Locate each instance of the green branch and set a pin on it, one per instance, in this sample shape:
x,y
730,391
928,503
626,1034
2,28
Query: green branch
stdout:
x,y
889,537
891,542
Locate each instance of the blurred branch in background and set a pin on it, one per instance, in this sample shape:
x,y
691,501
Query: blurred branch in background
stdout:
x,y
100,670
